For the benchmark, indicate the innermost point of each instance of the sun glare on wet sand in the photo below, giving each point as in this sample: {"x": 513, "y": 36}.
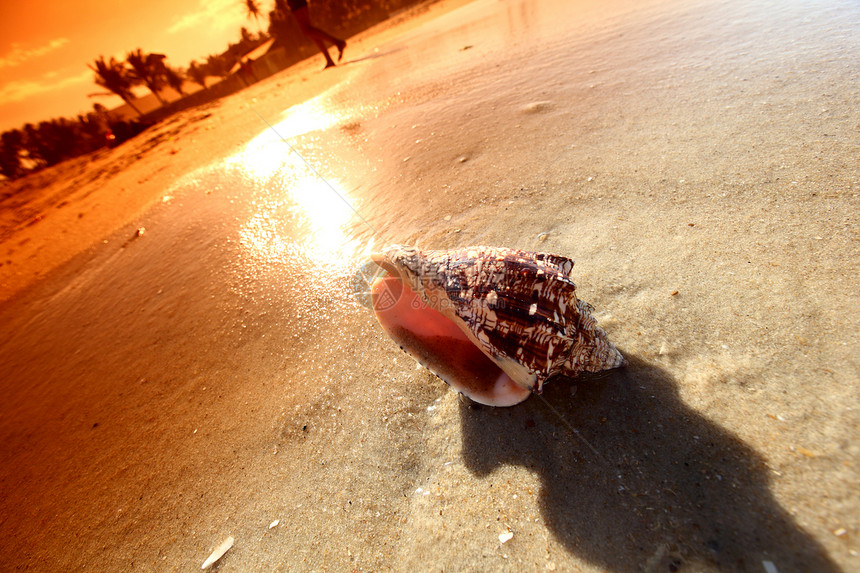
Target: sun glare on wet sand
{"x": 300, "y": 218}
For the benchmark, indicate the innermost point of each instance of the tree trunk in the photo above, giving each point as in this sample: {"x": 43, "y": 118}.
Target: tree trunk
{"x": 134, "y": 107}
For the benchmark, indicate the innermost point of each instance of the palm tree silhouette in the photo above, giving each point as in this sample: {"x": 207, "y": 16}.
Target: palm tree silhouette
{"x": 197, "y": 74}
{"x": 149, "y": 70}
{"x": 217, "y": 66}
{"x": 175, "y": 78}
{"x": 254, "y": 12}
{"x": 114, "y": 76}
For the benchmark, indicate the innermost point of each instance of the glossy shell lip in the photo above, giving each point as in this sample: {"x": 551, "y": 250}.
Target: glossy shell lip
{"x": 385, "y": 263}
{"x": 440, "y": 345}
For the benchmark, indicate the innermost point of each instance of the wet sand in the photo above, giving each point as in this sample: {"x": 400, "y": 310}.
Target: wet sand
{"x": 216, "y": 373}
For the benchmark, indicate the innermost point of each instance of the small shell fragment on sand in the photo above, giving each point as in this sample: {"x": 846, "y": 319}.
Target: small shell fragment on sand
{"x": 506, "y": 536}
{"x": 218, "y": 553}
{"x": 274, "y": 523}
{"x": 807, "y": 453}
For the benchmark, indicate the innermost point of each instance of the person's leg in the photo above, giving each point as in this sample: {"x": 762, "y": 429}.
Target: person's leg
{"x": 319, "y": 37}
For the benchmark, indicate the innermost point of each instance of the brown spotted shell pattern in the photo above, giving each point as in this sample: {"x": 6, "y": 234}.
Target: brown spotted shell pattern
{"x": 519, "y": 308}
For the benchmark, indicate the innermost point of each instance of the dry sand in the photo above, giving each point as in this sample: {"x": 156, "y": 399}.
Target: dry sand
{"x": 216, "y": 373}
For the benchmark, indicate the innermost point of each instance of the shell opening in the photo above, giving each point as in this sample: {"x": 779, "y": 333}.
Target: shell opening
{"x": 439, "y": 345}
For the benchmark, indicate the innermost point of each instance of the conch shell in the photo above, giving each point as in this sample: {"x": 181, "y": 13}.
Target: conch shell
{"x": 494, "y": 323}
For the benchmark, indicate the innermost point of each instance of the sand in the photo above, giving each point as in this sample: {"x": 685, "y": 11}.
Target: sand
{"x": 186, "y": 356}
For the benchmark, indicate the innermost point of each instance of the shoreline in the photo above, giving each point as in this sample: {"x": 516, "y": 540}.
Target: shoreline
{"x": 92, "y": 197}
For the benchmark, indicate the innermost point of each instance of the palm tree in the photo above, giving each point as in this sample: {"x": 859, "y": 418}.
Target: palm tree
{"x": 149, "y": 70}
{"x": 216, "y": 66}
{"x": 11, "y": 145}
{"x": 174, "y": 78}
{"x": 254, "y": 12}
{"x": 197, "y": 74}
{"x": 114, "y": 76}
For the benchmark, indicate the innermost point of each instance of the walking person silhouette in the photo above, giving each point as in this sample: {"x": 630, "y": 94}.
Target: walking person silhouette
{"x": 299, "y": 9}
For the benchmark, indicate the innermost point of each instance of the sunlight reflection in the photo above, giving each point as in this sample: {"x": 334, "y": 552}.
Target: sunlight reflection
{"x": 307, "y": 224}
{"x": 300, "y": 221}
{"x": 268, "y": 152}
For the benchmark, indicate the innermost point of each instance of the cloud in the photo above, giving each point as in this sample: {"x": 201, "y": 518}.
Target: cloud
{"x": 218, "y": 14}
{"x": 19, "y": 90}
{"x": 19, "y": 54}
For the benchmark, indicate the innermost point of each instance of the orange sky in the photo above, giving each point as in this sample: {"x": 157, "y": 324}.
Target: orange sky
{"x": 45, "y": 46}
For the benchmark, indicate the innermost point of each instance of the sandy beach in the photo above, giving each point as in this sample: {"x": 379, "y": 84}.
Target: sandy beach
{"x": 186, "y": 355}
